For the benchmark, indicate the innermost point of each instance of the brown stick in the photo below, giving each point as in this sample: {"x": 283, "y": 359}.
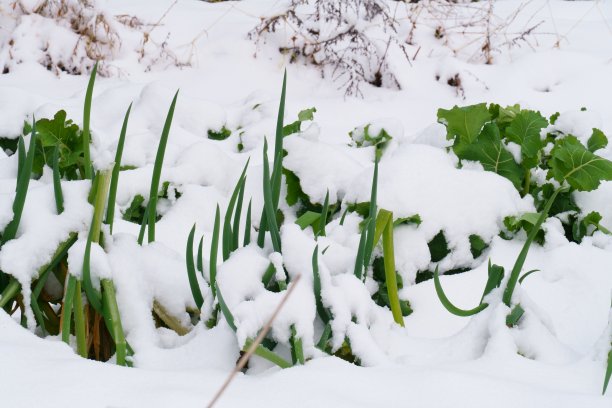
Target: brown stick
{"x": 249, "y": 352}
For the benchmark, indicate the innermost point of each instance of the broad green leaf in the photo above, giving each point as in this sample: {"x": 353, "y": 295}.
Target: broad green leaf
{"x": 477, "y": 245}
{"x": 570, "y": 161}
{"x": 563, "y": 203}
{"x": 490, "y": 151}
{"x": 507, "y": 114}
{"x": 464, "y": 122}
{"x": 524, "y": 130}
{"x": 438, "y": 247}
{"x": 64, "y": 135}
{"x": 597, "y": 140}
{"x": 413, "y": 219}
{"x": 587, "y": 226}
{"x": 526, "y": 222}
{"x": 308, "y": 218}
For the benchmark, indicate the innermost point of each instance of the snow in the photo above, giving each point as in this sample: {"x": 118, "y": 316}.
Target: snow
{"x": 554, "y": 358}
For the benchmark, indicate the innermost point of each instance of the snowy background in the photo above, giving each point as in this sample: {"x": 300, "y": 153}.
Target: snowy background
{"x": 227, "y": 79}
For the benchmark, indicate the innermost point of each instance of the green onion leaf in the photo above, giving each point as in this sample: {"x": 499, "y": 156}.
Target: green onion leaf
{"x": 112, "y": 194}
{"x": 157, "y": 168}
{"x": 191, "y": 271}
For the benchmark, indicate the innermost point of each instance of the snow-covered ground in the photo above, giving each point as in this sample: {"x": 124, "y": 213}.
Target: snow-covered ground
{"x": 438, "y": 359}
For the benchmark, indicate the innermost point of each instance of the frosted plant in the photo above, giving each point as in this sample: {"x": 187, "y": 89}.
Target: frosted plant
{"x": 350, "y": 40}
{"x": 71, "y": 35}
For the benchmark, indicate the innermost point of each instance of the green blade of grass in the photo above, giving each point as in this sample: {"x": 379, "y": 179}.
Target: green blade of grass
{"x": 608, "y": 372}
{"x": 526, "y": 274}
{"x": 343, "y": 216}
{"x": 214, "y": 251}
{"x": 143, "y": 225}
{"x": 112, "y": 192}
{"x": 359, "y": 259}
{"x": 111, "y": 309}
{"x": 236, "y": 227}
{"x": 10, "y": 291}
{"x": 382, "y": 220}
{"x": 390, "y": 274}
{"x": 229, "y": 317}
{"x": 520, "y": 260}
{"x": 21, "y": 155}
{"x": 447, "y": 303}
{"x": 308, "y": 218}
{"x": 269, "y": 202}
{"x": 514, "y": 316}
{"x": 297, "y": 351}
{"x": 316, "y": 283}
{"x": 191, "y": 271}
{"x": 369, "y": 245}
{"x": 60, "y": 254}
{"x": 323, "y": 219}
{"x": 34, "y": 302}
{"x": 247, "y": 226}
{"x": 57, "y": 183}
{"x": 495, "y": 276}
{"x": 93, "y": 296}
{"x": 271, "y": 356}
{"x": 277, "y": 167}
{"x": 79, "y": 321}
{"x": 268, "y": 274}
{"x": 102, "y": 182}
{"x": 157, "y": 168}
{"x": 70, "y": 288}
{"x": 86, "y": 117}
{"x": 10, "y": 231}
{"x": 200, "y": 258}
{"x": 324, "y": 339}
{"x": 227, "y": 222}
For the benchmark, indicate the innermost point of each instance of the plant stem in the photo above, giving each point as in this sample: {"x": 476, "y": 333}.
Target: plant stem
{"x": 527, "y": 182}
{"x": 67, "y": 308}
{"x": 171, "y": 321}
{"x": 100, "y": 203}
{"x": 520, "y": 260}
{"x": 111, "y": 309}
{"x": 390, "y": 274}
{"x": 79, "y": 321}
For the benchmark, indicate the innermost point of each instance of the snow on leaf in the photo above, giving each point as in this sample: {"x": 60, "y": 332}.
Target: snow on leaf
{"x": 524, "y": 130}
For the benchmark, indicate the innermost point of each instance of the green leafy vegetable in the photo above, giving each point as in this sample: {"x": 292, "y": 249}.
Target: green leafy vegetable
{"x": 572, "y": 162}
{"x": 491, "y": 152}
{"x": 465, "y": 123}
{"x": 597, "y": 141}
{"x": 438, "y": 247}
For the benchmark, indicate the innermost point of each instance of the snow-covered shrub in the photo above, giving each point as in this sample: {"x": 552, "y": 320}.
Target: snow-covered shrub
{"x": 473, "y": 31}
{"x": 71, "y": 35}
{"x": 350, "y": 40}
